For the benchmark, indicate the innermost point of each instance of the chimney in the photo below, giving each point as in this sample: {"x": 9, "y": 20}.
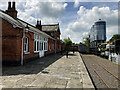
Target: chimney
{"x": 13, "y": 5}
{"x": 38, "y": 25}
{"x": 9, "y": 5}
{"x": 11, "y": 10}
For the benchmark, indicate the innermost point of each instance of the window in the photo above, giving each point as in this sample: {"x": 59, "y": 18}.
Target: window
{"x": 35, "y": 46}
{"x": 26, "y": 44}
{"x": 37, "y": 36}
{"x": 44, "y": 46}
{"x": 36, "y": 42}
{"x": 40, "y": 43}
{"x": 49, "y": 47}
{"x": 53, "y": 45}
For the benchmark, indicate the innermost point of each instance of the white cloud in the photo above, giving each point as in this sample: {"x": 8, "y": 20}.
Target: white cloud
{"x": 76, "y": 4}
{"x": 3, "y": 5}
{"x": 111, "y": 30}
{"x": 79, "y": 28}
{"x": 31, "y": 10}
{"x": 48, "y": 12}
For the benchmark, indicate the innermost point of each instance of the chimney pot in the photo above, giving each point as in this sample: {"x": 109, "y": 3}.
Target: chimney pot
{"x": 9, "y": 5}
{"x": 40, "y": 22}
{"x": 38, "y": 25}
{"x": 13, "y": 5}
{"x": 11, "y": 10}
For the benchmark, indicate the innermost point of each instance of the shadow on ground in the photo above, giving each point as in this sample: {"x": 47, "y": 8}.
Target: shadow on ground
{"x": 71, "y": 55}
{"x": 32, "y": 67}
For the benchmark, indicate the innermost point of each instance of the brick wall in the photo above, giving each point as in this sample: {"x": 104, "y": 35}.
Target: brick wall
{"x": 10, "y": 36}
{"x": 50, "y": 42}
{"x": 12, "y": 42}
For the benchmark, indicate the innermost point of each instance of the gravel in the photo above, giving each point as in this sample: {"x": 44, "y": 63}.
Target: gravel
{"x": 96, "y": 62}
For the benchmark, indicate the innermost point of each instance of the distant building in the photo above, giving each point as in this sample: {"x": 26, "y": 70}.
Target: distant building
{"x": 82, "y": 48}
{"x": 97, "y": 34}
{"x": 53, "y": 31}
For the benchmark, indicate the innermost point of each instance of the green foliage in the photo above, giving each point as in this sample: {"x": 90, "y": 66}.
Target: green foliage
{"x": 87, "y": 41}
{"x": 67, "y": 42}
{"x": 114, "y": 37}
{"x": 73, "y": 44}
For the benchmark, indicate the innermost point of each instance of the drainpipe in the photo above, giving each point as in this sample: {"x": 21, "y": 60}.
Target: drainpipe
{"x": 55, "y": 45}
{"x": 22, "y": 47}
{"x": 25, "y": 29}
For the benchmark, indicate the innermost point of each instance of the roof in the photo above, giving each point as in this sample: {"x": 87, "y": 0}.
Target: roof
{"x": 21, "y": 24}
{"x": 10, "y": 19}
{"x": 100, "y": 21}
{"x": 54, "y": 27}
{"x": 33, "y": 28}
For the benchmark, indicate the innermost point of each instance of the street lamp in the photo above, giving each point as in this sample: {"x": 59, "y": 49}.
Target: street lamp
{"x": 25, "y": 30}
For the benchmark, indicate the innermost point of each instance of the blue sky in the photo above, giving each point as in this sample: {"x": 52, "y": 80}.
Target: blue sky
{"x": 70, "y": 13}
{"x": 75, "y": 18}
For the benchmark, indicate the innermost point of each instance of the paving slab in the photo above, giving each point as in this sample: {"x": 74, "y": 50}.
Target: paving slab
{"x": 56, "y": 72}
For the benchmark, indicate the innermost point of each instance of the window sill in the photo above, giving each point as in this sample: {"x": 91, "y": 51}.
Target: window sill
{"x": 39, "y": 51}
{"x": 36, "y": 51}
{"x": 26, "y": 52}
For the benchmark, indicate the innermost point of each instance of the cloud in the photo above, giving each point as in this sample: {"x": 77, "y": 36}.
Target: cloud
{"x": 48, "y": 12}
{"x": 31, "y": 10}
{"x": 53, "y": 10}
{"x": 86, "y": 18}
{"x": 3, "y": 5}
{"x": 76, "y": 4}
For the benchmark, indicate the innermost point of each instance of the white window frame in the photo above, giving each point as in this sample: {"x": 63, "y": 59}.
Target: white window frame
{"x": 42, "y": 43}
{"x": 26, "y": 44}
{"x": 36, "y": 40}
{"x": 45, "y": 44}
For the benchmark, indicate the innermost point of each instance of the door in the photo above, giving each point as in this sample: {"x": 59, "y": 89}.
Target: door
{"x": 41, "y": 53}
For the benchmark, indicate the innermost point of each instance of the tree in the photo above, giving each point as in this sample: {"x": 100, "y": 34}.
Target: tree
{"x": 87, "y": 42}
{"x": 115, "y": 37}
{"x": 67, "y": 42}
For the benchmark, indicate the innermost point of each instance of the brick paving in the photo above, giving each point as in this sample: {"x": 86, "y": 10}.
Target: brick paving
{"x": 53, "y": 71}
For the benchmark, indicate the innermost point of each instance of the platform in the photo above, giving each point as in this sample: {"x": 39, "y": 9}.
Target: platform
{"x": 53, "y": 71}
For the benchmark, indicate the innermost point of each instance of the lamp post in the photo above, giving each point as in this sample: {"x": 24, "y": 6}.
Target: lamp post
{"x": 25, "y": 30}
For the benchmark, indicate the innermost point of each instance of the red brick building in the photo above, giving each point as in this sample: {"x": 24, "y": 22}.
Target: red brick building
{"x": 53, "y": 31}
{"x": 22, "y": 41}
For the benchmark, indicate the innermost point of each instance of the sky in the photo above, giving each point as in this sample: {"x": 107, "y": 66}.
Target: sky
{"x": 75, "y": 17}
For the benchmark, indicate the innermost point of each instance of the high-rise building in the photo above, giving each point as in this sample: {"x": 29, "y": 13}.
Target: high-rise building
{"x": 97, "y": 34}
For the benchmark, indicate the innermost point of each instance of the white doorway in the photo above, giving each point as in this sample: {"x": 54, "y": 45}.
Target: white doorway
{"x": 41, "y": 53}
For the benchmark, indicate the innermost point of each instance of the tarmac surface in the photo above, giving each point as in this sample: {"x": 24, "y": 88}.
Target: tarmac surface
{"x": 53, "y": 71}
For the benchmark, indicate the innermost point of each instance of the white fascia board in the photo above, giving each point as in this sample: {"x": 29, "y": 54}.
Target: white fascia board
{"x": 40, "y": 32}
{"x": 10, "y": 21}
